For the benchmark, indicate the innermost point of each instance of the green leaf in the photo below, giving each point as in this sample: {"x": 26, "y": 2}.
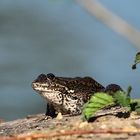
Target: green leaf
{"x": 122, "y": 98}
{"x": 98, "y": 101}
{"x": 101, "y": 101}
{"x": 129, "y": 89}
{"x": 137, "y": 60}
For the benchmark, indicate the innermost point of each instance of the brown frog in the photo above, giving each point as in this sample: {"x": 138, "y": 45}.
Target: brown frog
{"x": 67, "y": 95}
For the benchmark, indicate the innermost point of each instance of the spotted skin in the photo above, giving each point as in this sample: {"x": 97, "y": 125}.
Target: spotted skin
{"x": 65, "y": 95}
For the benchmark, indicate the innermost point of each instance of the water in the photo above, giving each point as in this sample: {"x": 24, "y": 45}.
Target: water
{"x": 59, "y": 37}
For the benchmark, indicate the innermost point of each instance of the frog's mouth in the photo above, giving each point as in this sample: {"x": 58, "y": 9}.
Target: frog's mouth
{"x": 41, "y": 87}
{"x": 42, "y": 84}
{"x": 52, "y": 95}
{"x": 47, "y": 84}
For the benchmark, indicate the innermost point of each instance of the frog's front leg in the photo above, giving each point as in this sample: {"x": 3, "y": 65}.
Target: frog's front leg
{"x": 50, "y": 111}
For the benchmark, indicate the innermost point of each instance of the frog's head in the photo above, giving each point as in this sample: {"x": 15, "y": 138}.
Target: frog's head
{"x": 49, "y": 86}
{"x": 48, "y": 83}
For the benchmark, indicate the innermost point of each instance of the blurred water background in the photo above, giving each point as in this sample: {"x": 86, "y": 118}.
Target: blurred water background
{"x": 42, "y": 36}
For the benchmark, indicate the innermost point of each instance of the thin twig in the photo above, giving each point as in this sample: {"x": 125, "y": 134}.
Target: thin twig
{"x": 111, "y": 20}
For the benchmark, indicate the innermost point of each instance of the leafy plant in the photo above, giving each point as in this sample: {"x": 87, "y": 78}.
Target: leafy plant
{"x": 123, "y": 99}
{"x": 98, "y": 101}
{"x": 102, "y": 100}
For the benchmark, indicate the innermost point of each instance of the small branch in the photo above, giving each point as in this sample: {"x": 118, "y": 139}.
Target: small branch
{"x": 111, "y": 20}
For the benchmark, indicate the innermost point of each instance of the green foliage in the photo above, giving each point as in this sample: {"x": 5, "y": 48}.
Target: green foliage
{"x": 137, "y": 60}
{"x": 135, "y": 103}
{"x": 98, "y": 101}
{"x": 129, "y": 89}
{"x": 101, "y": 100}
{"x": 123, "y": 99}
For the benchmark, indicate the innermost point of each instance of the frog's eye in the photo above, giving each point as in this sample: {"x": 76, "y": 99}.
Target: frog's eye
{"x": 50, "y": 76}
{"x": 41, "y": 78}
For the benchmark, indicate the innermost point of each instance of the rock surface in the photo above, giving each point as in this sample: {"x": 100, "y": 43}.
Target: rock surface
{"x": 66, "y": 128}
